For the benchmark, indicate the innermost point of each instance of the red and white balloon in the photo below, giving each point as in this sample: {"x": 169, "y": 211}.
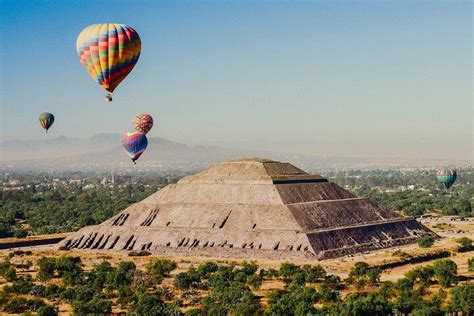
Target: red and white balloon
{"x": 142, "y": 123}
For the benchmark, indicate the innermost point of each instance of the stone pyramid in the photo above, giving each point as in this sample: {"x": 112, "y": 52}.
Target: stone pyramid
{"x": 251, "y": 208}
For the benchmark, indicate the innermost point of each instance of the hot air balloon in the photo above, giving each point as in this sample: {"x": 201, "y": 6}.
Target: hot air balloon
{"x": 447, "y": 176}
{"x": 142, "y": 123}
{"x": 46, "y": 120}
{"x": 109, "y": 52}
{"x": 134, "y": 144}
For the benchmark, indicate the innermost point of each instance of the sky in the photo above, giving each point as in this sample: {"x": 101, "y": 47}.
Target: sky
{"x": 371, "y": 78}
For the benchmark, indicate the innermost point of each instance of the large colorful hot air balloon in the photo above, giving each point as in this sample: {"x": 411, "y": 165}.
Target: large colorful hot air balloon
{"x": 134, "y": 144}
{"x": 447, "y": 176}
{"x": 46, "y": 120}
{"x": 142, "y": 123}
{"x": 108, "y": 52}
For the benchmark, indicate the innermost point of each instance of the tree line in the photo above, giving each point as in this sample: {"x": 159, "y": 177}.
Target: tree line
{"x": 221, "y": 289}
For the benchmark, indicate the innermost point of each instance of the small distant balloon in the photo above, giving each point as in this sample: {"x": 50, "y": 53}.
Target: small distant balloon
{"x": 447, "y": 176}
{"x": 142, "y": 123}
{"x": 134, "y": 144}
{"x": 109, "y": 52}
{"x": 46, "y": 120}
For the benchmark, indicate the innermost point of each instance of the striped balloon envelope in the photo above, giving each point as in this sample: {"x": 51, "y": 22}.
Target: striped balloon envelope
{"x": 142, "y": 123}
{"x": 134, "y": 144}
{"x": 447, "y": 176}
{"x": 108, "y": 52}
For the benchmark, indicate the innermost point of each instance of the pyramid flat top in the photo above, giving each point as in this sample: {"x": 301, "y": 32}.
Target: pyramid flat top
{"x": 251, "y": 171}
{"x": 250, "y": 159}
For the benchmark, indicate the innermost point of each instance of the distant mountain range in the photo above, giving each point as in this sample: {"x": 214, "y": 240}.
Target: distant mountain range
{"x": 105, "y": 151}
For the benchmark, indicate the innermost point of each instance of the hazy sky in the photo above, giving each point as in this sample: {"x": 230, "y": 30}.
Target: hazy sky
{"x": 354, "y": 78}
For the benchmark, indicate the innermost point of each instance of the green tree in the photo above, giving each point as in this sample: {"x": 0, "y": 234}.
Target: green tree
{"x": 249, "y": 268}
{"x": 96, "y": 306}
{"x": 470, "y": 264}
{"x": 69, "y": 269}
{"x": 121, "y": 277}
{"x": 299, "y": 301}
{"x": 462, "y": 299}
{"x": 206, "y": 269}
{"x": 10, "y": 274}
{"x": 46, "y": 268}
{"x": 149, "y": 304}
{"x": 421, "y": 275}
{"x": 363, "y": 303}
{"x": 445, "y": 271}
{"x": 314, "y": 273}
{"x": 161, "y": 269}
{"x": 362, "y": 273}
{"x": 98, "y": 275}
{"x": 188, "y": 279}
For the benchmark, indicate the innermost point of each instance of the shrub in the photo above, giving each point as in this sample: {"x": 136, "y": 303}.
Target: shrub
{"x": 426, "y": 241}
{"x": 465, "y": 242}
{"x": 401, "y": 254}
{"x": 20, "y": 233}
{"x": 141, "y": 253}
